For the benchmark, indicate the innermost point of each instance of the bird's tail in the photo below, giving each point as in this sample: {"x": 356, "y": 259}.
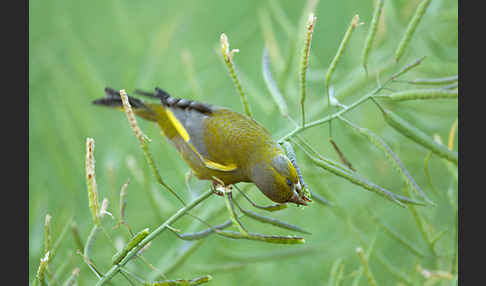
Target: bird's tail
{"x": 147, "y": 111}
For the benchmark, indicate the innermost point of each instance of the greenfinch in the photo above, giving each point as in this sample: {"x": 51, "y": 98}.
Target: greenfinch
{"x": 219, "y": 144}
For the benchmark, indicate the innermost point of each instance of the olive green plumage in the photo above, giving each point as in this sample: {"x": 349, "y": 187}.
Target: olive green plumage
{"x": 219, "y": 144}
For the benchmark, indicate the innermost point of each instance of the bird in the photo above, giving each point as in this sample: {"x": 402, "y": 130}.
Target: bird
{"x": 218, "y": 144}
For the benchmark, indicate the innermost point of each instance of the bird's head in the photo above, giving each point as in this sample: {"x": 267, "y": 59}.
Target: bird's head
{"x": 277, "y": 178}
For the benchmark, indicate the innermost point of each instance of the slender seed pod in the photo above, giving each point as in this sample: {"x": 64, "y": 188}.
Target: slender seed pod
{"x": 270, "y": 208}
{"x": 367, "y": 270}
{"x": 272, "y": 86}
{"x": 407, "y": 68}
{"x": 451, "y": 86}
{"x": 47, "y": 233}
{"x": 123, "y": 201}
{"x": 91, "y": 181}
{"x": 270, "y": 220}
{"x": 90, "y": 242}
{"x": 278, "y": 239}
{"x": 77, "y": 237}
{"x": 418, "y": 94}
{"x": 360, "y": 181}
{"x": 435, "y": 81}
{"x": 410, "y": 131}
{"x": 305, "y": 62}
{"x": 40, "y": 275}
{"x": 129, "y": 246}
{"x": 320, "y": 199}
{"x": 340, "y": 51}
{"x": 181, "y": 282}
{"x": 370, "y": 37}
{"x": 204, "y": 233}
{"x": 412, "y": 26}
{"x": 391, "y": 156}
{"x": 131, "y": 118}
{"x": 228, "y": 59}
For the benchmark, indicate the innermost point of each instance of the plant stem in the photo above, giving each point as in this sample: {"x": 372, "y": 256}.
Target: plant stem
{"x": 107, "y": 277}
{"x": 354, "y": 104}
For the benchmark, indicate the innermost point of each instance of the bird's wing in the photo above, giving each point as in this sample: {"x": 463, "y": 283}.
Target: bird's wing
{"x": 189, "y": 125}
{"x": 187, "y": 118}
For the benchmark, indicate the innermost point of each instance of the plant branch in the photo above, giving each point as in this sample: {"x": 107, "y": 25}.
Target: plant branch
{"x": 114, "y": 269}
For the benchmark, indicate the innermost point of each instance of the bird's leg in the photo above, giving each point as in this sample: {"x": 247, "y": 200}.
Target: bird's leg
{"x": 219, "y": 188}
{"x": 216, "y": 189}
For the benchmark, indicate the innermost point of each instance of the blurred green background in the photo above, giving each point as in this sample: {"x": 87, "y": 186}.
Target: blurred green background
{"x": 77, "y": 48}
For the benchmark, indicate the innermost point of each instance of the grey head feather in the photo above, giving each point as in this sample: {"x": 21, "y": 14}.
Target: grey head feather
{"x": 262, "y": 177}
{"x": 281, "y": 165}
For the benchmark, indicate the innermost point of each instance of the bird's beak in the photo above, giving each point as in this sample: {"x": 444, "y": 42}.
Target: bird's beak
{"x": 297, "y": 199}
{"x": 297, "y": 196}
{"x": 298, "y": 187}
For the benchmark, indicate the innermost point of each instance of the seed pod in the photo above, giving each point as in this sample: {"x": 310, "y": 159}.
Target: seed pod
{"x": 271, "y": 220}
{"x": 129, "y": 246}
{"x": 420, "y": 94}
{"x": 272, "y": 86}
{"x": 412, "y": 26}
{"x": 340, "y": 51}
{"x": 279, "y": 239}
{"x": 407, "y": 68}
{"x": 91, "y": 181}
{"x": 305, "y": 62}
{"x": 435, "y": 81}
{"x": 372, "y": 32}
{"x": 391, "y": 156}
{"x": 181, "y": 282}
{"x": 410, "y": 131}
{"x": 204, "y": 233}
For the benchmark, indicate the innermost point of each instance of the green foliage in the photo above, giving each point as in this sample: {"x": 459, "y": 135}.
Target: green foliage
{"x": 78, "y": 48}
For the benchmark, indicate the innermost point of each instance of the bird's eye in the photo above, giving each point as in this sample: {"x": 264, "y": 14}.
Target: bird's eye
{"x": 289, "y": 182}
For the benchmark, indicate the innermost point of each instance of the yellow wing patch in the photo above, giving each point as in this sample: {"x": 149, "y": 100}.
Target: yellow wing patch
{"x": 177, "y": 125}
{"x": 183, "y": 133}
{"x": 220, "y": 167}
{"x": 213, "y": 165}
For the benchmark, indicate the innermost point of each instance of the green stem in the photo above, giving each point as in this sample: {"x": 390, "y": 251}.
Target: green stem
{"x": 327, "y": 118}
{"x": 231, "y": 208}
{"x": 114, "y": 269}
{"x": 354, "y": 104}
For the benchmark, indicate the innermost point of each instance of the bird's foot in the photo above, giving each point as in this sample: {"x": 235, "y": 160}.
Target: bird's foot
{"x": 219, "y": 188}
